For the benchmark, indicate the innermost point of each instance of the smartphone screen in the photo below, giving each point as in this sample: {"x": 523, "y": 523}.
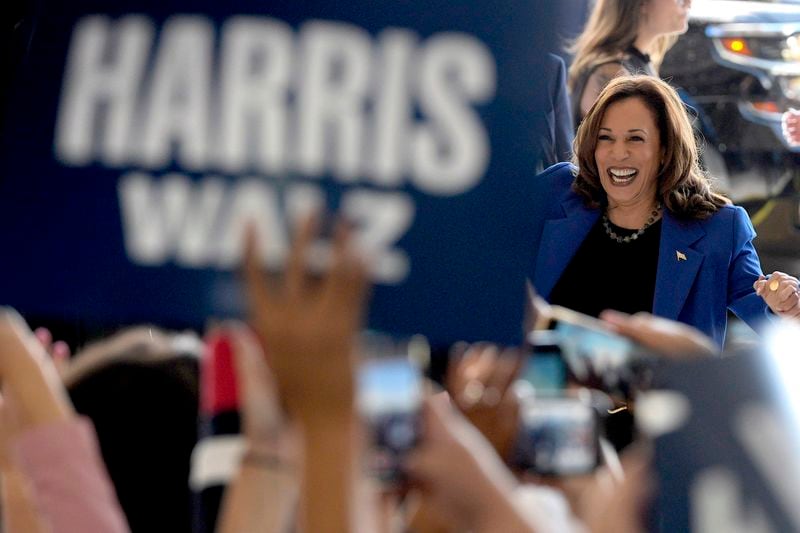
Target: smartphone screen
{"x": 390, "y": 397}
{"x": 558, "y": 437}
{"x": 544, "y": 367}
{"x": 596, "y": 356}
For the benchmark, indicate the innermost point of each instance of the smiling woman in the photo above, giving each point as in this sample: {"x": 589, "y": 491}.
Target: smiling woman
{"x": 628, "y": 156}
{"x": 635, "y": 225}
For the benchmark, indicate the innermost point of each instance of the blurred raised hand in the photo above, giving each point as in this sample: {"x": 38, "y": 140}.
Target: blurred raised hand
{"x": 266, "y": 427}
{"x": 620, "y": 505}
{"x": 307, "y": 325}
{"x": 664, "y": 336}
{"x": 32, "y": 391}
{"x": 461, "y": 477}
{"x": 32, "y": 396}
{"x": 57, "y": 349}
{"x": 479, "y": 380}
{"x": 262, "y": 497}
{"x": 54, "y": 478}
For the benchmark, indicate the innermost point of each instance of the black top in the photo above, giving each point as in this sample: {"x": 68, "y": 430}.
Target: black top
{"x": 638, "y": 62}
{"x": 605, "y": 274}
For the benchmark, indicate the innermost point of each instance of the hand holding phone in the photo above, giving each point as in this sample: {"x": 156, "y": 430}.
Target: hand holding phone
{"x": 389, "y": 400}
{"x": 558, "y": 436}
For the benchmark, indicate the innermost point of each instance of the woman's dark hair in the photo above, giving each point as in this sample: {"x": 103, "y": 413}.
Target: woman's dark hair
{"x": 141, "y": 392}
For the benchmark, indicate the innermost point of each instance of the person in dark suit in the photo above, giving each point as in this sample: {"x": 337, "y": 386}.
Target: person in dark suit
{"x": 557, "y": 136}
{"x": 634, "y": 224}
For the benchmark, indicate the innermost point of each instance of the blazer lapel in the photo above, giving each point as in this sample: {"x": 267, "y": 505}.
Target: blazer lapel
{"x": 561, "y": 239}
{"x": 678, "y": 265}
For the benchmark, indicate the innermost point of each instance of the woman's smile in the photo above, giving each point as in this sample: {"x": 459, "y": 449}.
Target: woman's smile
{"x": 621, "y": 177}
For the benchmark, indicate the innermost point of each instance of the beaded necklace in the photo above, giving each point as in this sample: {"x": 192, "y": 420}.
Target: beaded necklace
{"x": 635, "y": 235}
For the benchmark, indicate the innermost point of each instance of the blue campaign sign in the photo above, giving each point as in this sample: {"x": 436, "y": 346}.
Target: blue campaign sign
{"x": 144, "y": 136}
{"x": 733, "y": 465}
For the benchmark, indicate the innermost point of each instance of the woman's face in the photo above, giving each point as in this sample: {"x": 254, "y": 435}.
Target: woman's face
{"x": 664, "y": 17}
{"x": 628, "y": 154}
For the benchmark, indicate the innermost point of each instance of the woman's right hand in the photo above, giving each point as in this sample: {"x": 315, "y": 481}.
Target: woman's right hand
{"x": 781, "y": 292}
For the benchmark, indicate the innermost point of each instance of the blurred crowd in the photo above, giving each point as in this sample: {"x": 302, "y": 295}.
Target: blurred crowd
{"x": 295, "y": 420}
{"x": 107, "y": 440}
{"x": 104, "y": 441}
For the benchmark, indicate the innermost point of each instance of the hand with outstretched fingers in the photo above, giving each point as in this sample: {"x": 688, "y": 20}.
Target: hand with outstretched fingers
{"x": 308, "y": 324}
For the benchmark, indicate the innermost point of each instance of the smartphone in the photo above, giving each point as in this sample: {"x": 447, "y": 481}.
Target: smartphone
{"x": 544, "y": 368}
{"x": 389, "y": 400}
{"x": 595, "y": 356}
{"x": 559, "y": 436}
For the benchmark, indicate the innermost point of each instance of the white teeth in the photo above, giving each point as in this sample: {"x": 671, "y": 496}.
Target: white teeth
{"x": 622, "y": 176}
{"x": 622, "y": 172}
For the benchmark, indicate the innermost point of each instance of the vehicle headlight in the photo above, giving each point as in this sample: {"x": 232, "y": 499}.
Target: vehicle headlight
{"x": 737, "y": 45}
{"x": 770, "y": 48}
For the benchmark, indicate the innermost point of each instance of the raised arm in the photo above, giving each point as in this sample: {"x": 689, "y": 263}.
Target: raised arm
{"x": 53, "y": 449}
{"x": 308, "y": 328}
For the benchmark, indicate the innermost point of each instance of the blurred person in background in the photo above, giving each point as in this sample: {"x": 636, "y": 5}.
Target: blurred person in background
{"x": 554, "y": 141}
{"x": 622, "y": 37}
{"x": 139, "y": 387}
{"x": 637, "y": 227}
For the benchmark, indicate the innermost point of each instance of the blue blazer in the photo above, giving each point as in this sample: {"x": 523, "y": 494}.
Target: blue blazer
{"x": 705, "y": 267}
